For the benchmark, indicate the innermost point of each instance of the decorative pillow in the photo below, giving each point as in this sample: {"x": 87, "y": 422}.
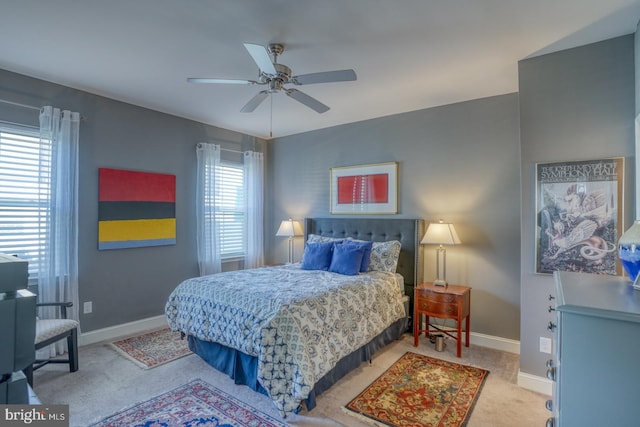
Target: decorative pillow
{"x": 384, "y": 256}
{"x": 366, "y": 258}
{"x": 313, "y": 238}
{"x": 317, "y": 256}
{"x": 346, "y": 259}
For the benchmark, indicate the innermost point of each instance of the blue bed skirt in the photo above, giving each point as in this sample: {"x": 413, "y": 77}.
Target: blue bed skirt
{"x": 243, "y": 368}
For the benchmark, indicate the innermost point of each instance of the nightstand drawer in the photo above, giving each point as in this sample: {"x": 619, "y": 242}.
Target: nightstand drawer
{"x": 438, "y": 297}
{"x": 438, "y": 308}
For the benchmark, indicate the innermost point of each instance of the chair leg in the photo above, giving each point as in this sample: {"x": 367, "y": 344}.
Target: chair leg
{"x": 72, "y": 348}
{"x": 28, "y": 372}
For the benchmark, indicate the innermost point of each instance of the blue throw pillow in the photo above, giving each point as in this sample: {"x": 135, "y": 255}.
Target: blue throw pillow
{"x": 366, "y": 258}
{"x": 317, "y": 256}
{"x": 346, "y": 259}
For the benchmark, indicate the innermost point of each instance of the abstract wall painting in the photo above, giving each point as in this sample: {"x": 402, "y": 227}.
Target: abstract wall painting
{"x": 365, "y": 189}
{"x": 136, "y": 209}
{"x": 579, "y": 216}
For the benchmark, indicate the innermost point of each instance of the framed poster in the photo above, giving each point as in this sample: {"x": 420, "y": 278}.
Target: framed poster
{"x": 579, "y": 215}
{"x": 365, "y": 189}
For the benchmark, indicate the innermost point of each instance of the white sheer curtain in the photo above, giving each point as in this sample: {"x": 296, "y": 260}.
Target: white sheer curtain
{"x": 58, "y": 195}
{"x": 207, "y": 227}
{"x": 253, "y": 193}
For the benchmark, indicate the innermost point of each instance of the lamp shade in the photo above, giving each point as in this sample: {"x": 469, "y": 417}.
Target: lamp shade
{"x": 440, "y": 234}
{"x": 289, "y": 228}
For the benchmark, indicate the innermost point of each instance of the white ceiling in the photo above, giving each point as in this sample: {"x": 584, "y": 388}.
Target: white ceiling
{"x": 408, "y": 54}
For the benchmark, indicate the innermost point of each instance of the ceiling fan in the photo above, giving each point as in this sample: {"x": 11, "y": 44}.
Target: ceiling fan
{"x": 275, "y": 76}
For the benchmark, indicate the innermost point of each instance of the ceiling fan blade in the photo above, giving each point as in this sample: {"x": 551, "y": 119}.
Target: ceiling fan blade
{"x": 255, "y": 101}
{"x": 261, "y": 58}
{"x": 305, "y": 99}
{"x": 324, "y": 77}
{"x": 225, "y": 81}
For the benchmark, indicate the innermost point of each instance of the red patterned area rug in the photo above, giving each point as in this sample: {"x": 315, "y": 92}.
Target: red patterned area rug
{"x": 194, "y": 404}
{"x": 153, "y": 348}
{"x": 419, "y": 390}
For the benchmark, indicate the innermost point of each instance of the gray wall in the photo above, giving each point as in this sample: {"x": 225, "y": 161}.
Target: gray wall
{"x": 576, "y": 104}
{"x": 127, "y": 284}
{"x": 458, "y": 162}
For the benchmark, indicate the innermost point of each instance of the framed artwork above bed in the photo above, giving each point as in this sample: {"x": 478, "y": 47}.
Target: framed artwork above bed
{"x": 365, "y": 189}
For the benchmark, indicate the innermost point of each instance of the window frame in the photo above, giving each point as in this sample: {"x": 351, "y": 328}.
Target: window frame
{"x": 22, "y": 167}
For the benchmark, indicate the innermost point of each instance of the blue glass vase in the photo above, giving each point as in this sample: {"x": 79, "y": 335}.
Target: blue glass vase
{"x": 629, "y": 251}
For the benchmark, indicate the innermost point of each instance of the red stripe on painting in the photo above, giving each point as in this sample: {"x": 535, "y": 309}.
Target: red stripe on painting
{"x": 117, "y": 185}
{"x": 363, "y": 189}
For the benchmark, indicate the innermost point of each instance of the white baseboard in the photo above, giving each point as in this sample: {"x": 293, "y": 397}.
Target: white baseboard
{"x": 535, "y": 383}
{"x": 131, "y": 328}
{"x": 113, "y": 332}
{"x": 490, "y": 341}
{"x": 496, "y": 343}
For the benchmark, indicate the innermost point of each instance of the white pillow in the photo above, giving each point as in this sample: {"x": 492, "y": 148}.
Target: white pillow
{"x": 384, "y": 256}
{"x": 313, "y": 238}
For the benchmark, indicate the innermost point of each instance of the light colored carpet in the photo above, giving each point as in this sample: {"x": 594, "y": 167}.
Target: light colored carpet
{"x": 106, "y": 382}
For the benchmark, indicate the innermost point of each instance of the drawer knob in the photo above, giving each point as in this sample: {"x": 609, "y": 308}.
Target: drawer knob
{"x": 549, "y": 405}
{"x": 450, "y": 310}
{"x": 551, "y": 374}
{"x": 551, "y": 326}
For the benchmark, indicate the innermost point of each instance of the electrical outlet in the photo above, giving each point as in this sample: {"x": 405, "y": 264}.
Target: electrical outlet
{"x": 88, "y": 307}
{"x": 545, "y": 345}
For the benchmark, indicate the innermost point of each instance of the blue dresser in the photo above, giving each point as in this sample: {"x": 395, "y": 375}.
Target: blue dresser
{"x": 596, "y": 352}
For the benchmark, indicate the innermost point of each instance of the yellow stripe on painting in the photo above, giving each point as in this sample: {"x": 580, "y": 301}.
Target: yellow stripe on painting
{"x": 137, "y": 229}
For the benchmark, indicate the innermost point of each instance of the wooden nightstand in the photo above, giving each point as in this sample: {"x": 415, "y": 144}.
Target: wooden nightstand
{"x": 450, "y": 302}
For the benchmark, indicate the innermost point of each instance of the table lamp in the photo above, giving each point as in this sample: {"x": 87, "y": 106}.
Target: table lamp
{"x": 441, "y": 234}
{"x": 289, "y": 228}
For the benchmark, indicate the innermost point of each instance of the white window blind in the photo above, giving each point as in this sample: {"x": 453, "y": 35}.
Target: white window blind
{"x": 229, "y": 202}
{"x": 23, "y": 196}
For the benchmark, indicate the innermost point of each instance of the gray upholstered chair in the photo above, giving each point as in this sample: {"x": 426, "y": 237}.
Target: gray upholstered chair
{"x": 49, "y": 331}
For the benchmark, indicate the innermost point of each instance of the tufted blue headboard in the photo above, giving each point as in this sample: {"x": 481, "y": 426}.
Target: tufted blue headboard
{"x": 408, "y": 231}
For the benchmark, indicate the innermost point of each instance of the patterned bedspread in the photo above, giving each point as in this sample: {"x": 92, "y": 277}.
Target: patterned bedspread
{"x": 298, "y": 323}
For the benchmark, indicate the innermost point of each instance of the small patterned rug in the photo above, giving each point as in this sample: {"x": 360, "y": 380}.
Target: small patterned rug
{"x": 194, "y": 404}
{"x": 419, "y": 390}
{"x": 153, "y": 348}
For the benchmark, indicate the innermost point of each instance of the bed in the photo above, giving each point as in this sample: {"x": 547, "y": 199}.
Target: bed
{"x": 291, "y": 333}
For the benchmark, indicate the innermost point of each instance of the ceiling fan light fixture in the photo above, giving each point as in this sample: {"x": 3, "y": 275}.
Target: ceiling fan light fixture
{"x": 275, "y": 85}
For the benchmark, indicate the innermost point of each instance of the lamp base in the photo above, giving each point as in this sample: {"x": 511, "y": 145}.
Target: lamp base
{"x": 440, "y": 282}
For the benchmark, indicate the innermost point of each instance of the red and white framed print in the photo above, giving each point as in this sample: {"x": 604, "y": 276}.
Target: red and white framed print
{"x": 365, "y": 189}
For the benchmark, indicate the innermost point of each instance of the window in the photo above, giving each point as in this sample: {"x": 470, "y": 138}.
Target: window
{"x": 23, "y": 193}
{"x": 229, "y": 202}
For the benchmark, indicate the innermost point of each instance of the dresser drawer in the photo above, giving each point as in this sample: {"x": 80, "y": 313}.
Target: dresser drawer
{"x": 437, "y": 297}
{"x": 438, "y": 308}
